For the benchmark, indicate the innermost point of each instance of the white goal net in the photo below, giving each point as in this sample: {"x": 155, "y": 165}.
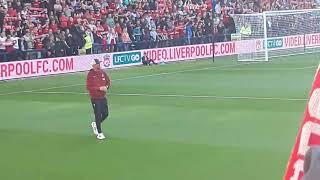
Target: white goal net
{"x": 279, "y": 33}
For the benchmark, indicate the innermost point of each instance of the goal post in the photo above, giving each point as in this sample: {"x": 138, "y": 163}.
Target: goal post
{"x": 278, "y": 33}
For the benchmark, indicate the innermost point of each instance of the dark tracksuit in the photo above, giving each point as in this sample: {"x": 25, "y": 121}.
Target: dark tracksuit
{"x": 95, "y": 80}
{"x": 147, "y": 61}
{"x": 2, "y": 15}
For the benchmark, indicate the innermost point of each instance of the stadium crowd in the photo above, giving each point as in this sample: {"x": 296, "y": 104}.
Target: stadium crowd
{"x": 32, "y": 29}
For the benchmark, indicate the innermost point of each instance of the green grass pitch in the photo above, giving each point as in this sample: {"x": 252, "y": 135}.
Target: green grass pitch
{"x": 226, "y": 121}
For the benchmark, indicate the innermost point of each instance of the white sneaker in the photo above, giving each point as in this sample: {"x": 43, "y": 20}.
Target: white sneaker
{"x": 94, "y": 128}
{"x": 101, "y": 136}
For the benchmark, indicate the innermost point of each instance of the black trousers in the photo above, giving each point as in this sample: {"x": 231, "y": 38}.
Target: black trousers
{"x": 101, "y": 111}
{"x": 1, "y": 27}
{"x": 89, "y": 51}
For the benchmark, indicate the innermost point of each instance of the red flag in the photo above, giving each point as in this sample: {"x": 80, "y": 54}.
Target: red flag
{"x": 309, "y": 133}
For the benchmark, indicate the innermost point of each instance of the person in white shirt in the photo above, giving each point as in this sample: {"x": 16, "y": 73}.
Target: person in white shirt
{"x": 2, "y": 40}
{"x": 15, "y": 40}
{"x": 111, "y": 39}
{"x": 92, "y": 25}
{"x": 4, "y": 3}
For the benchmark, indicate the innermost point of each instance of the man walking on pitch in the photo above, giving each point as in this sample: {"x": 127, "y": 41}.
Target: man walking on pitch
{"x": 98, "y": 83}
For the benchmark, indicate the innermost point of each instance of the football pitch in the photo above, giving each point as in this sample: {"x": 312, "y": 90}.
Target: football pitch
{"x": 183, "y": 121}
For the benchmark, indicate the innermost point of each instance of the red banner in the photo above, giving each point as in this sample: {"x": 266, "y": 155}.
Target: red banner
{"x": 309, "y": 133}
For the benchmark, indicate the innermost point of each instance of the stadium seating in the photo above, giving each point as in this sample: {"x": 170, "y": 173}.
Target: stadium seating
{"x": 33, "y": 29}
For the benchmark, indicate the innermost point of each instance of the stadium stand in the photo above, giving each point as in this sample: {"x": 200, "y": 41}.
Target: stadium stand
{"x": 33, "y": 29}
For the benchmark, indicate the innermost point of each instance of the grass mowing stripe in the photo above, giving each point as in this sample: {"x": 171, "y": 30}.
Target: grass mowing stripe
{"x": 180, "y": 96}
{"x": 128, "y": 78}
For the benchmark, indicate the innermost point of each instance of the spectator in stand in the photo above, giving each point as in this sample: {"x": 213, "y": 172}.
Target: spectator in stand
{"x": 22, "y": 44}
{"x": 9, "y": 43}
{"x": 70, "y": 43}
{"x": 100, "y": 29}
{"x": 126, "y": 39}
{"x": 61, "y": 47}
{"x": 169, "y": 23}
{"x": 29, "y": 38}
{"x": 49, "y": 44}
{"x": 92, "y": 25}
{"x": 118, "y": 29}
{"x": 199, "y": 34}
{"x": 2, "y": 40}
{"x": 119, "y": 43}
{"x": 38, "y": 46}
{"x": 97, "y": 38}
{"x": 208, "y": 27}
{"x": 146, "y": 36}
{"x": 11, "y": 11}
{"x": 137, "y": 32}
{"x": 2, "y": 15}
{"x": 15, "y": 39}
{"x": 110, "y": 21}
{"x": 88, "y": 42}
{"x": 58, "y": 8}
{"x": 53, "y": 26}
{"x": 63, "y": 21}
{"x": 154, "y": 38}
{"x": 67, "y": 11}
{"x": 71, "y": 22}
{"x": 9, "y": 26}
{"x": 221, "y": 32}
{"x": 189, "y": 32}
{"x": 104, "y": 43}
{"x": 111, "y": 40}
{"x": 16, "y": 5}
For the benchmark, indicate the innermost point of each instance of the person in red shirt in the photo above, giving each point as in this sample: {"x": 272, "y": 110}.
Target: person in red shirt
{"x": 98, "y": 82}
{"x": 53, "y": 26}
{"x": 104, "y": 42}
{"x": 36, "y": 32}
{"x": 8, "y": 44}
{"x": 97, "y": 15}
{"x": 225, "y": 18}
{"x": 38, "y": 44}
{"x": 75, "y": 18}
{"x": 112, "y": 6}
{"x": 45, "y": 28}
{"x": 12, "y": 12}
{"x": 118, "y": 29}
{"x": 39, "y": 29}
{"x": 103, "y": 11}
{"x": 105, "y": 27}
{"x": 63, "y": 21}
{"x": 36, "y": 3}
{"x": 100, "y": 29}
{"x": 9, "y": 26}
{"x": 176, "y": 33}
{"x": 70, "y": 22}
{"x": 87, "y": 15}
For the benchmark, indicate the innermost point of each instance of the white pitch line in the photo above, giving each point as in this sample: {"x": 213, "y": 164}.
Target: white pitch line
{"x": 182, "y": 96}
{"x": 128, "y": 78}
{"x": 150, "y": 75}
{"x": 269, "y": 69}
